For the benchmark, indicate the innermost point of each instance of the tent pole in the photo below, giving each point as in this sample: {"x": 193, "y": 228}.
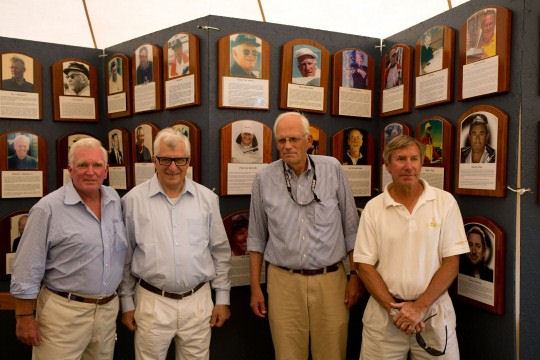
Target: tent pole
{"x": 262, "y": 11}
{"x": 89, "y": 24}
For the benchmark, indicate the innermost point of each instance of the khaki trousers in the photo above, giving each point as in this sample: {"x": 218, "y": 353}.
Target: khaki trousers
{"x": 74, "y": 330}
{"x": 160, "y": 319}
{"x": 307, "y": 309}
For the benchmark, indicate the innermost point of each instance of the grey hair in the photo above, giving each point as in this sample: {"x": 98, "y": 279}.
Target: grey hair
{"x": 400, "y": 142}
{"x": 21, "y": 137}
{"x": 19, "y": 60}
{"x": 305, "y": 121}
{"x": 171, "y": 137}
{"x": 87, "y": 143}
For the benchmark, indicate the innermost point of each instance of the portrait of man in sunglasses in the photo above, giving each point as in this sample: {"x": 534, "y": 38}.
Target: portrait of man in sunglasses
{"x": 245, "y": 56}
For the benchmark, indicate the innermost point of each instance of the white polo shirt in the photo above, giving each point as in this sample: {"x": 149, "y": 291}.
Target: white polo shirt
{"x": 407, "y": 248}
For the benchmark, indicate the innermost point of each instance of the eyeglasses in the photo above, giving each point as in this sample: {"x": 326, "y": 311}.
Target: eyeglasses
{"x": 431, "y": 351}
{"x": 253, "y": 52}
{"x": 292, "y": 140}
{"x": 313, "y": 184}
{"x": 73, "y": 76}
{"x": 166, "y": 161}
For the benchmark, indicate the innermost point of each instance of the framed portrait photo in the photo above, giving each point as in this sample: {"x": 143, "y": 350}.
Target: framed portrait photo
{"x": 181, "y": 71}
{"x": 484, "y": 53}
{"x": 21, "y": 80}
{"x": 119, "y": 158}
{"x": 192, "y": 131}
{"x": 11, "y": 230}
{"x": 435, "y": 67}
{"x": 390, "y": 131}
{"x": 245, "y": 146}
{"x": 318, "y": 145}
{"x": 354, "y": 148}
{"x": 23, "y": 161}
{"x": 146, "y": 73}
{"x": 437, "y": 135}
{"x": 304, "y": 76}
{"x": 396, "y": 74}
{"x": 243, "y": 72}
{"x": 480, "y": 280}
{"x": 481, "y": 152}
{"x": 118, "y": 86}
{"x": 75, "y": 90}
{"x": 353, "y": 83}
{"x": 143, "y": 151}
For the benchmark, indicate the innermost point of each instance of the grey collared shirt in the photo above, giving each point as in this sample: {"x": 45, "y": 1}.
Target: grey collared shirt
{"x": 302, "y": 237}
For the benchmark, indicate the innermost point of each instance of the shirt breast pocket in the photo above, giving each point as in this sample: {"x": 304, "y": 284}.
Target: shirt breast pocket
{"x": 198, "y": 231}
{"x": 326, "y": 212}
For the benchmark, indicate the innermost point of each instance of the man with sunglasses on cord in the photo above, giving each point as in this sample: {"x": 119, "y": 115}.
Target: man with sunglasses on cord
{"x": 407, "y": 249}
{"x": 177, "y": 248}
{"x": 303, "y": 223}
{"x": 71, "y": 258}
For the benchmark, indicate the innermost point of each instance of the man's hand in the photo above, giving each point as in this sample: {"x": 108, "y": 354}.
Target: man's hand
{"x": 220, "y": 314}
{"x": 354, "y": 291}
{"x": 409, "y": 317}
{"x": 257, "y": 302}
{"x": 128, "y": 319}
{"x": 27, "y": 330}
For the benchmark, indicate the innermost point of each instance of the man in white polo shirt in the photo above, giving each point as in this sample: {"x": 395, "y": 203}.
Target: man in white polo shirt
{"x": 408, "y": 246}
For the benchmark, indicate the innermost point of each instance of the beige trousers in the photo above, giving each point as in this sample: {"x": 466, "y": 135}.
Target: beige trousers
{"x": 307, "y": 309}
{"x": 74, "y": 330}
{"x": 160, "y": 319}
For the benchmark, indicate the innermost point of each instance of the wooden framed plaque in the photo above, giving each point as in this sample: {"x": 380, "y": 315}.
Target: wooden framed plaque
{"x": 11, "y": 230}
{"x": 23, "y": 161}
{"x": 143, "y": 151}
{"x": 119, "y": 149}
{"x": 63, "y": 145}
{"x": 181, "y": 71}
{"x": 243, "y": 72}
{"x": 245, "y": 146}
{"x": 484, "y": 53}
{"x": 390, "y": 131}
{"x": 481, "y": 152}
{"x": 304, "y": 76}
{"x": 193, "y": 132}
{"x": 354, "y": 148}
{"x": 118, "y": 87}
{"x": 75, "y": 91}
{"x": 353, "y": 83}
{"x": 21, "y": 89}
{"x": 396, "y": 81}
{"x": 146, "y": 74}
{"x": 437, "y": 135}
{"x": 435, "y": 67}
{"x": 318, "y": 146}
{"x": 480, "y": 280}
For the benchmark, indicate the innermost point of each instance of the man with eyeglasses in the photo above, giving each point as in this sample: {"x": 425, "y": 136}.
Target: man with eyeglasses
{"x": 177, "y": 247}
{"x": 77, "y": 80}
{"x": 245, "y": 53}
{"x": 303, "y": 222}
{"x": 407, "y": 249}
{"x": 71, "y": 257}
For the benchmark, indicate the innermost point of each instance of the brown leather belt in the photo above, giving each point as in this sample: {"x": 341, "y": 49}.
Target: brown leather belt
{"x": 309, "y": 272}
{"x": 71, "y": 296}
{"x": 175, "y": 296}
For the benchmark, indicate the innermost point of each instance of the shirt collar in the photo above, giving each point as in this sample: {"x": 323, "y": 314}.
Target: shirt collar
{"x": 291, "y": 171}
{"x": 427, "y": 195}
{"x": 72, "y": 197}
{"x": 155, "y": 187}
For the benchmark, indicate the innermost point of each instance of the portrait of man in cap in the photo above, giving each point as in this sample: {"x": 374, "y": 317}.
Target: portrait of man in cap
{"x": 178, "y": 61}
{"x": 76, "y": 81}
{"x": 393, "y": 74}
{"x": 245, "y": 56}
{"x": 478, "y": 146}
{"x": 306, "y": 65}
{"x": 247, "y": 142}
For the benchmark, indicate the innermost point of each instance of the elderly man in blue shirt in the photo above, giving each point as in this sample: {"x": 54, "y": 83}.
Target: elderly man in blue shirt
{"x": 177, "y": 248}
{"x": 71, "y": 257}
{"x": 303, "y": 221}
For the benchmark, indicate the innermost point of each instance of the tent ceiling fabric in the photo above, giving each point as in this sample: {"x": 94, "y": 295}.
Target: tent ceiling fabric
{"x": 116, "y": 21}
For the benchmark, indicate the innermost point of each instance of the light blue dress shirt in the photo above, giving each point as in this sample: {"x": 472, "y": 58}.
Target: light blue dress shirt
{"x": 65, "y": 246}
{"x": 174, "y": 244}
{"x": 302, "y": 237}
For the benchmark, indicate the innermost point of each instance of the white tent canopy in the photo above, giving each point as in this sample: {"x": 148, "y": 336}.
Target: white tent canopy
{"x": 115, "y": 21}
